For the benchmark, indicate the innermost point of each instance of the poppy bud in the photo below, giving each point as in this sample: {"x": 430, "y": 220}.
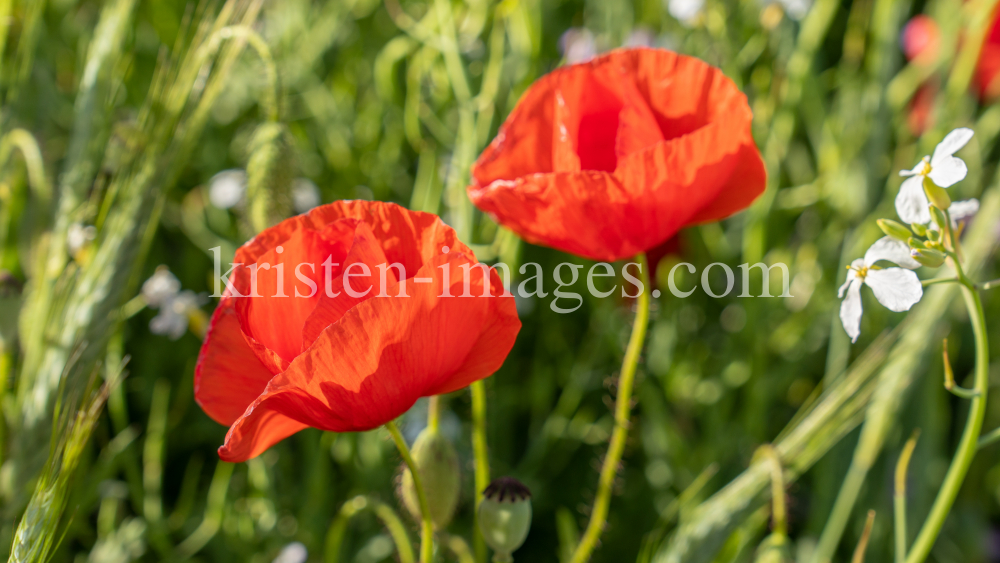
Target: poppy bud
{"x": 893, "y": 229}
{"x": 919, "y": 229}
{"x": 938, "y": 215}
{"x": 439, "y": 472}
{"x": 505, "y": 516}
{"x": 936, "y": 194}
{"x": 774, "y": 549}
{"x": 928, "y": 257}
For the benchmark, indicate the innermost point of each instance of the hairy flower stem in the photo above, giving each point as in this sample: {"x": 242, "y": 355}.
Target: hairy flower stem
{"x": 434, "y": 412}
{"x": 970, "y": 436}
{"x": 482, "y": 474}
{"x": 623, "y": 409}
{"x": 426, "y": 527}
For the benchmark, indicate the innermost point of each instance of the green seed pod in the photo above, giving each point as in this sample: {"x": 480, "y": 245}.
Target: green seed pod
{"x": 928, "y": 257}
{"x": 939, "y": 219}
{"x": 270, "y": 172}
{"x": 439, "y": 474}
{"x": 936, "y": 194}
{"x": 919, "y": 229}
{"x": 505, "y": 517}
{"x": 774, "y": 549}
{"x": 893, "y": 229}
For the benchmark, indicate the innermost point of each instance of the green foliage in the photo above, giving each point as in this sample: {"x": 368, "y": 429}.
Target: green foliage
{"x": 116, "y": 115}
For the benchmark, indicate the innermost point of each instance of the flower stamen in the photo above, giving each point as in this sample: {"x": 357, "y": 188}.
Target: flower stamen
{"x": 926, "y": 169}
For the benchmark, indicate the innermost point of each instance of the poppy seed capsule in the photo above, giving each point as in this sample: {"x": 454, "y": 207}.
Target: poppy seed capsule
{"x": 437, "y": 462}
{"x": 505, "y": 516}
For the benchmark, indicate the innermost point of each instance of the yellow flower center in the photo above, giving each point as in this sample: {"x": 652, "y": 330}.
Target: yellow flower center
{"x": 860, "y": 272}
{"x": 926, "y": 169}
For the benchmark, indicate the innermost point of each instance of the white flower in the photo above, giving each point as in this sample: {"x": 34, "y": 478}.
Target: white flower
{"x": 175, "y": 314}
{"x": 685, "y": 11}
{"x": 640, "y": 37}
{"x": 897, "y": 289}
{"x": 796, "y": 9}
{"x": 226, "y": 188}
{"x": 964, "y": 210}
{"x": 160, "y": 287}
{"x": 305, "y": 195}
{"x": 79, "y": 235}
{"x": 942, "y": 168}
{"x": 294, "y": 552}
{"x": 577, "y": 45}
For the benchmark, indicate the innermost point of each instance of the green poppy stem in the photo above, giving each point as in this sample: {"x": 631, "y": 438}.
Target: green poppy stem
{"x": 426, "y": 527}
{"x": 434, "y": 412}
{"x": 623, "y": 410}
{"x": 482, "y": 460}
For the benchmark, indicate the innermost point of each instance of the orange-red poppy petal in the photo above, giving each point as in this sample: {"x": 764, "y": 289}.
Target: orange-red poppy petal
{"x": 644, "y": 142}
{"x": 228, "y": 376}
{"x": 584, "y": 213}
{"x": 381, "y": 356}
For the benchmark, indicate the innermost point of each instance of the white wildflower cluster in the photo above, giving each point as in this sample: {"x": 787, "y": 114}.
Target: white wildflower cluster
{"x": 935, "y": 225}
{"x": 163, "y": 291}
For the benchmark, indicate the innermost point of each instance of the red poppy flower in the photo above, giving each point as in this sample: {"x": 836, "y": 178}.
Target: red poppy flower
{"x": 347, "y": 353}
{"x": 611, "y": 157}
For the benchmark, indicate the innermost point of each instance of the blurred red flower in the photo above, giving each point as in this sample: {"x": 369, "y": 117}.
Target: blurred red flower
{"x": 272, "y": 365}
{"x": 988, "y": 67}
{"x": 921, "y": 39}
{"x": 612, "y": 157}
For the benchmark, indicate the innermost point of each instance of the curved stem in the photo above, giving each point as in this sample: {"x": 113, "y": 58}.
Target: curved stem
{"x": 385, "y": 513}
{"x": 623, "y": 410}
{"x": 426, "y": 527}
{"x": 257, "y": 43}
{"x": 482, "y": 460}
{"x": 970, "y": 436}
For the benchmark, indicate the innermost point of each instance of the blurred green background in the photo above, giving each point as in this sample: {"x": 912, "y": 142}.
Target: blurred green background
{"x": 392, "y": 101}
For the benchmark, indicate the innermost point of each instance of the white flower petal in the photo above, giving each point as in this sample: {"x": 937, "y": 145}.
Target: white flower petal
{"x": 161, "y": 287}
{"x": 852, "y": 273}
{"x": 915, "y": 172}
{"x": 226, "y": 188}
{"x": 895, "y": 251}
{"x": 850, "y": 311}
{"x": 911, "y": 201}
{"x": 895, "y": 288}
{"x": 948, "y": 172}
{"x": 950, "y": 145}
{"x": 963, "y": 210}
